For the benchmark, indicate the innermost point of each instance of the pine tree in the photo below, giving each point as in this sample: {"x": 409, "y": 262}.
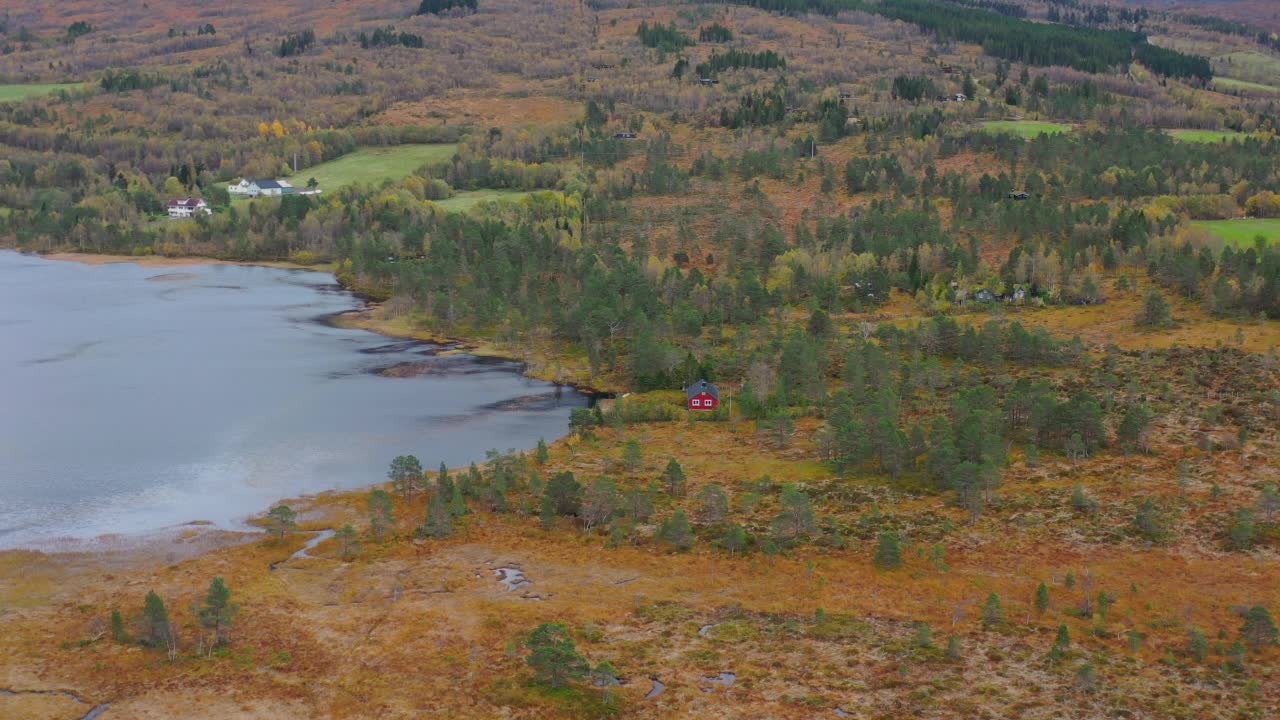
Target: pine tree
{"x": 457, "y": 503}
{"x": 281, "y": 520}
{"x": 439, "y": 522}
{"x": 888, "y": 551}
{"x": 1197, "y": 645}
{"x": 797, "y": 518}
{"x": 381, "y": 520}
{"x": 1086, "y": 679}
{"x": 1259, "y": 629}
{"x": 1241, "y": 532}
{"x": 675, "y": 531}
{"x": 1269, "y": 501}
{"x": 734, "y": 539}
{"x": 992, "y": 612}
{"x": 713, "y": 504}
{"x": 405, "y": 474}
{"x": 1042, "y": 597}
{"x": 1155, "y": 310}
{"x": 155, "y": 620}
{"x": 547, "y": 512}
{"x": 118, "y": 632}
{"x": 565, "y": 494}
{"x": 632, "y": 457}
{"x": 444, "y": 483}
{"x": 554, "y": 656}
{"x": 218, "y": 611}
{"x": 924, "y": 636}
{"x": 543, "y": 453}
{"x": 673, "y": 477}
{"x": 1063, "y": 641}
{"x": 348, "y": 543}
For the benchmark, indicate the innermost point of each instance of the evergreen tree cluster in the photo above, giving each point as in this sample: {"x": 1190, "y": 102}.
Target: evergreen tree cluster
{"x": 388, "y": 37}
{"x": 666, "y": 38}
{"x": 440, "y": 7}
{"x": 296, "y": 43}
{"x": 733, "y": 59}
{"x": 755, "y": 109}
{"x": 715, "y": 33}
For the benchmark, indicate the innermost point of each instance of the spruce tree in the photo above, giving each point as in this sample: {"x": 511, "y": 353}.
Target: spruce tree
{"x": 1241, "y": 532}
{"x": 1259, "y": 629}
{"x": 734, "y": 538}
{"x": 888, "y": 551}
{"x": 674, "y": 479}
{"x": 675, "y": 531}
{"x": 1197, "y": 645}
{"x": 992, "y": 612}
{"x": 155, "y": 620}
{"x": 218, "y": 611}
{"x": 1063, "y": 640}
{"x": 439, "y": 522}
{"x": 1042, "y": 597}
{"x": 381, "y": 520}
{"x": 118, "y": 633}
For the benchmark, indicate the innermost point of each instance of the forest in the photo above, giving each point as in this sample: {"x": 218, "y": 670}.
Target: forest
{"x": 999, "y": 395}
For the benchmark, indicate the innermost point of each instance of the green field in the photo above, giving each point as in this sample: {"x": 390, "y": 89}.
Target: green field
{"x": 21, "y": 92}
{"x": 463, "y": 201}
{"x": 373, "y": 165}
{"x": 1226, "y": 84}
{"x": 1241, "y": 233}
{"x": 1025, "y": 128}
{"x": 1206, "y": 136}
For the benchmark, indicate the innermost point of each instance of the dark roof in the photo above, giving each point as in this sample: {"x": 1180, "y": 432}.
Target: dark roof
{"x": 185, "y": 202}
{"x": 702, "y": 386}
{"x": 267, "y": 184}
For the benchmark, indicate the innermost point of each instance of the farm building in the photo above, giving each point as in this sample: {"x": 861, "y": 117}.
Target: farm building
{"x": 186, "y": 207}
{"x": 265, "y": 188}
{"x": 702, "y": 395}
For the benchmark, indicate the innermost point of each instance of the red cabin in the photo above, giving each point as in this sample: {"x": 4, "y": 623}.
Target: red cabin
{"x": 702, "y": 395}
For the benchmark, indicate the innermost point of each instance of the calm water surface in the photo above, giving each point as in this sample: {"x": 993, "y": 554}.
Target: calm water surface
{"x": 134, "y": 399}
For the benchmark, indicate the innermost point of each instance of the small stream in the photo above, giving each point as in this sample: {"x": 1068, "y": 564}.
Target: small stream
{"x": 93, "y": 713}
{"x": 305, "y": 550}
{"x": 656, "y": 690}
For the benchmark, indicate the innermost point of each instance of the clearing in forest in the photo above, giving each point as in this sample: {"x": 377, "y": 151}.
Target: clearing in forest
{"x": 1206, "y": 136}
{"x": 1025, "y": 128}
{"x": 1226, "y": 84}
{"x": 373, "y": 165}
{"x": 1241, "y": 233}
{"x": 466, "y": 200}
{"x": 21, "y": 92}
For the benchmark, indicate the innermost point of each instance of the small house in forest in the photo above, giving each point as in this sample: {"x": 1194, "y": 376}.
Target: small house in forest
{"x": 187, "y": 207}
{"x": 702, "y": 395}
{"x": 1019, "y": 195}
{"x": 625, "y": 136}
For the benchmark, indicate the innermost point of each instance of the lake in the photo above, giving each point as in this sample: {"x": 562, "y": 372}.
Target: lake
{"x": 134, "y": 399}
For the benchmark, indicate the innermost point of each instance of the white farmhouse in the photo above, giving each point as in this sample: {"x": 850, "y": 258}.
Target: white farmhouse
{"x": 264, "y": 188}
{"x": 187, "y": 207}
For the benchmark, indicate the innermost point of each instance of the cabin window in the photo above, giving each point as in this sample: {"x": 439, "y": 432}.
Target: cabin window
{"x": 697, "y": 402}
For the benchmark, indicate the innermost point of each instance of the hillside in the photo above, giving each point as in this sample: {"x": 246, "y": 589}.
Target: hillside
{"x": 991, "y": 291}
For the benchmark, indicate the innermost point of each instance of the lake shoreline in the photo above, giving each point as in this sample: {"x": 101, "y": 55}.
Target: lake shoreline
{"x": 197, "y": 538}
